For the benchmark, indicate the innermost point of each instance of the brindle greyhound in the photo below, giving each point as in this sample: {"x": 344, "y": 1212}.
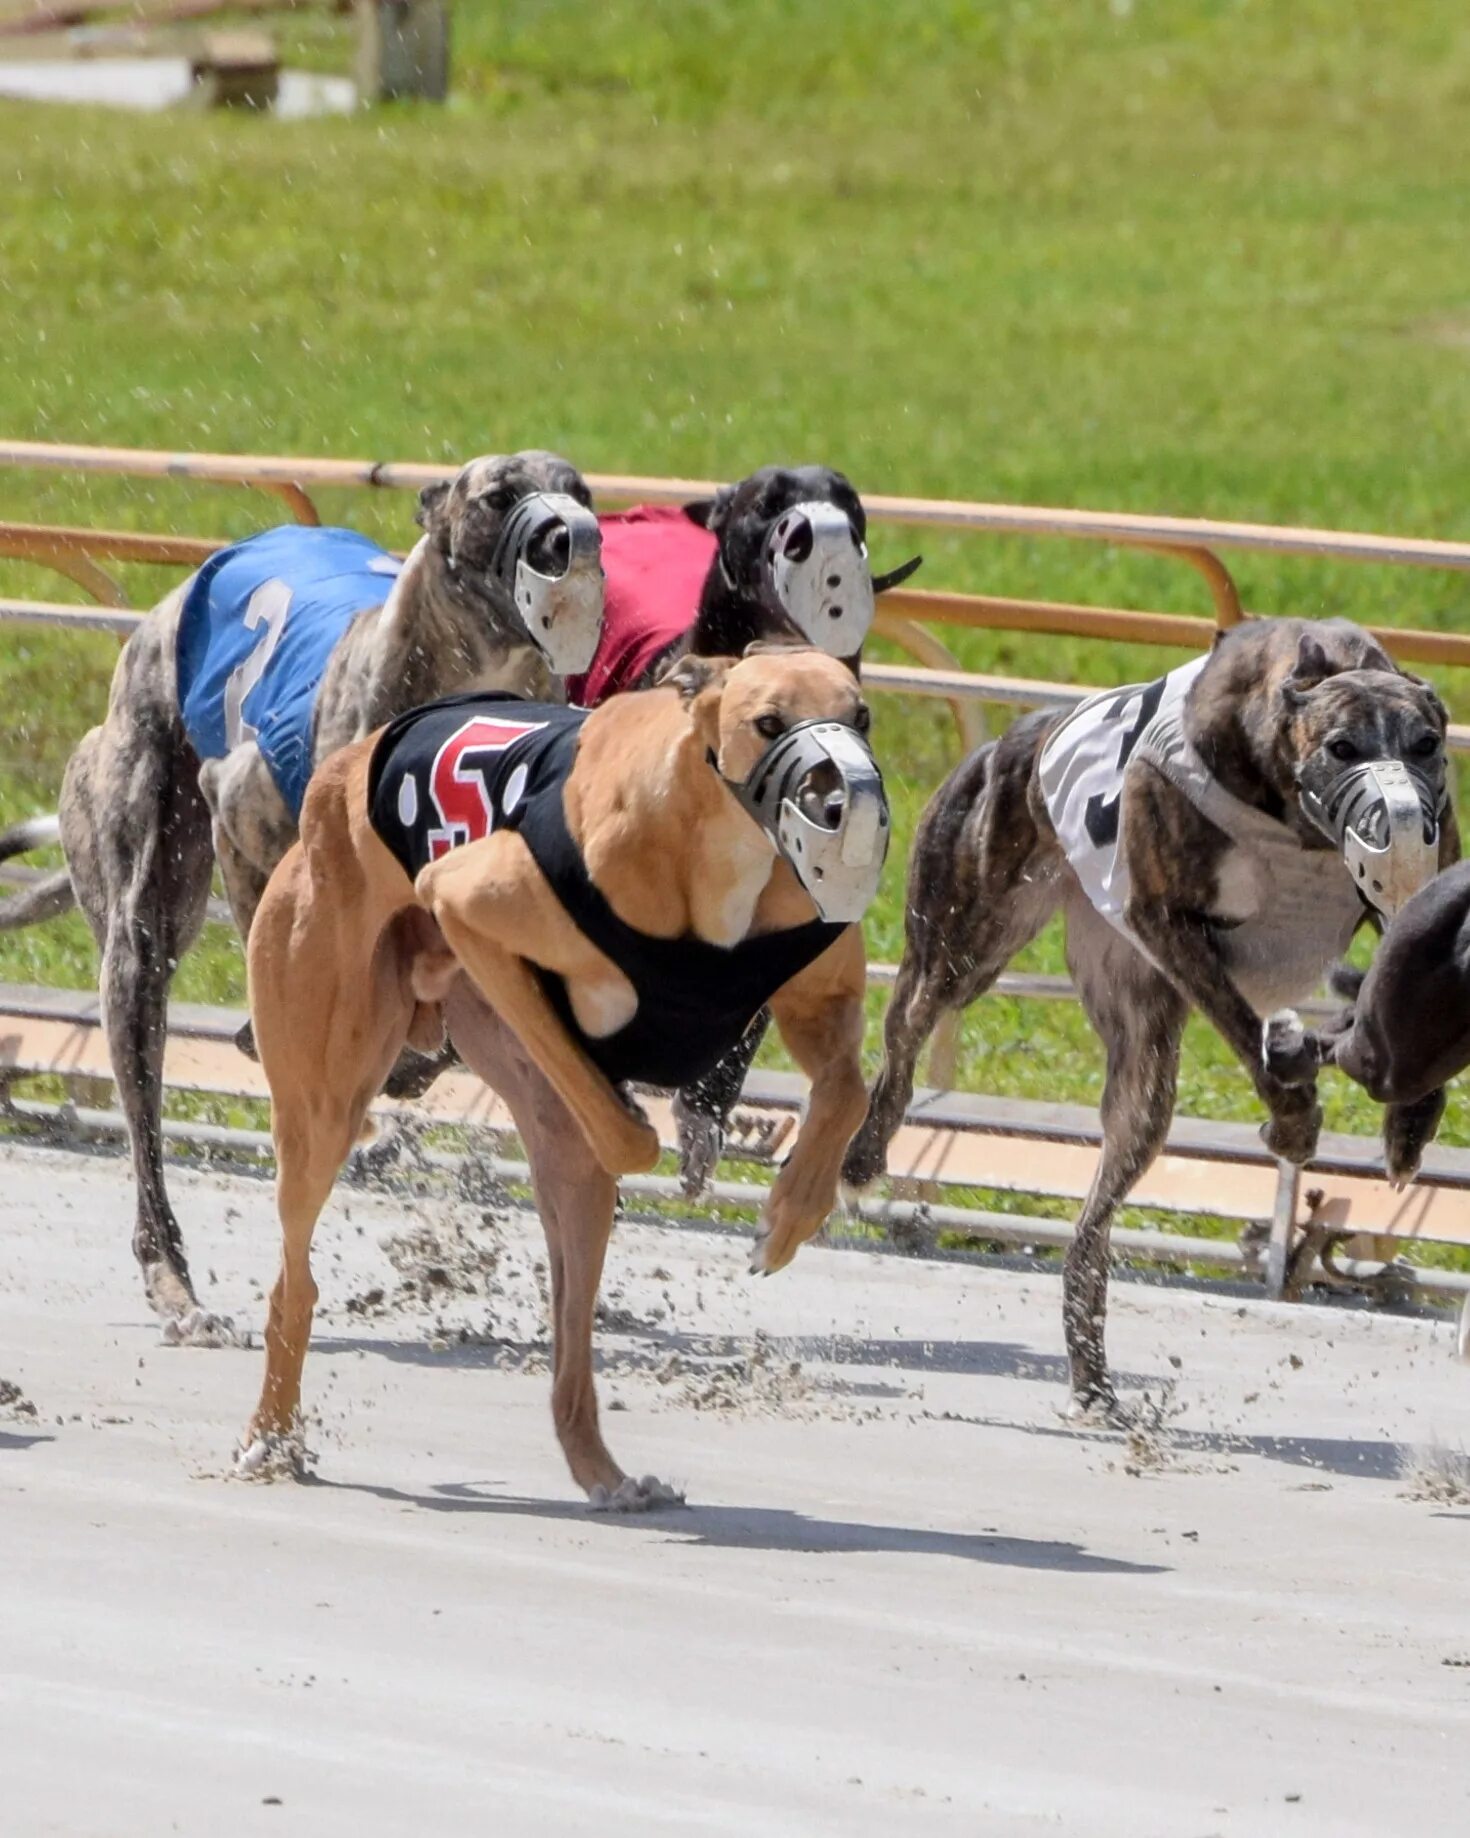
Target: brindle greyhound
{"x": 142, "y": 825}
{"x": 1276, "y": 709}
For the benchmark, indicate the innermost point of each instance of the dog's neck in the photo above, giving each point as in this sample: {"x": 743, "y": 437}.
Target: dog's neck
{"x": 1234, "y": 728}
{"x": 731, "y": 617}
{"x": 662, "y": 838}
{"x": 442, "y": 631}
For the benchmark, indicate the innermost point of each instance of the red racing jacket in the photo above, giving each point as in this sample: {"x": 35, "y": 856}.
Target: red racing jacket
{"x": 656, "y": 561}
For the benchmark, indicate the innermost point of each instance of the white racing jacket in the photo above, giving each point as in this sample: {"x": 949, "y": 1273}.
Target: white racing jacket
{"x": 1284, "y": 913}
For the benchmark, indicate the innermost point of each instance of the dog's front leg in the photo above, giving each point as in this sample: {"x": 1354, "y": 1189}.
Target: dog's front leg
{"x": 820, "y": 1015}
{"x": 1172, "y": 854}
{"x": 500, "y": 919}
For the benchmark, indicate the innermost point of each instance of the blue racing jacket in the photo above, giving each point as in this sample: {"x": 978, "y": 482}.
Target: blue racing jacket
{"x": 258, "y": 625}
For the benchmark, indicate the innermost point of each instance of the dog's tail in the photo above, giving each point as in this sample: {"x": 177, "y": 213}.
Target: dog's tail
{"x": 34, "y": 833}
{"x": 49, "y": 895}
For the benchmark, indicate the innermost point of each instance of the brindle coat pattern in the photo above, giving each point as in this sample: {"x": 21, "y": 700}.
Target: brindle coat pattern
{"x": 141, "y": 825}
{"x": 987, "y": 872}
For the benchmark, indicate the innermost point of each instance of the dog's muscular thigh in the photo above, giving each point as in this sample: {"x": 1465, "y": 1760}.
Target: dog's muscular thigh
{"x": 495, "y": 889}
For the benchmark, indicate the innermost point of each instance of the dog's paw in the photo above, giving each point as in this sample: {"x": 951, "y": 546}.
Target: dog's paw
{"x": 778, "y": 1239}
{"x": 1291, "y": 1133}
{"x": 634, "y": 1496}
{"x": 199, "y": 1328}
{"x": 865, "y": 1161}
{"x": 1408, "y": 1130}
{"x": 1101, "y": 1409}
{"x": 1290, "y": 1054}
{"x": 274, "y": 1457}
{"x": 245, "y": 1040}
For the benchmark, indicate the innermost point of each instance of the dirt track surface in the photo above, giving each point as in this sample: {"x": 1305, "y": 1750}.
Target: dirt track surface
{"x": 902, "y": 1600}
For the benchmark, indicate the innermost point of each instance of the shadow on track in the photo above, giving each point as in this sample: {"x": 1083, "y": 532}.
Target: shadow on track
{"x": 763, "y": 1528}
{"x": 1373, "y": 1461}
{"x": 649, "y": 1345}
{"x": 10, "y": 1440}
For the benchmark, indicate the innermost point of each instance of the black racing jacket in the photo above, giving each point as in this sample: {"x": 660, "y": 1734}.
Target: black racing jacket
{"x": 454, "y": 771}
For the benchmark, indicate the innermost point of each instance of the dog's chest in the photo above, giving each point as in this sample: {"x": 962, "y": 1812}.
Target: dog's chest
{"x": 1283, "y": 915}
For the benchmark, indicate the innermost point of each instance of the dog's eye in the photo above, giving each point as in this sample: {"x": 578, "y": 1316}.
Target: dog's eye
{"x": 1342, "y": 749}
{"x": 1426, "y": 746}
{"x": 770, "y": 726}
{"x": 863, "y": 719}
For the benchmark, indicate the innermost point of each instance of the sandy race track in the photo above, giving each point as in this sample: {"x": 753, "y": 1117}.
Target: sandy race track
{"x": 903, "y": 1599}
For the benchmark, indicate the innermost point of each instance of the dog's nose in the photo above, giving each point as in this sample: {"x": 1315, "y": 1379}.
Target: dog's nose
{"x": 799, "y": 539}
{"x": 832, "y": 809}
{"x": 552, "y": 551}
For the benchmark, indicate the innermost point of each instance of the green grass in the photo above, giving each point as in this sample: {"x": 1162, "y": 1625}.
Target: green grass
{"x": 1197, "y": 257}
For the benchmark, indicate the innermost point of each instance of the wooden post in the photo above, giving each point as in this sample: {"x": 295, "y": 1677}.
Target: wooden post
{"x": 403, "y": 50}
{"x": 235, "y": 70}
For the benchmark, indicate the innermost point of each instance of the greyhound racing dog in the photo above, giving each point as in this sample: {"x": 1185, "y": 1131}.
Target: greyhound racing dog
{"x": 280, "y": 650}
{"x": 780, "y": 555}
{"x": 1406, "y": 1031}
{"x": 1205, "y": 837}
{"x": 579, "y": 899}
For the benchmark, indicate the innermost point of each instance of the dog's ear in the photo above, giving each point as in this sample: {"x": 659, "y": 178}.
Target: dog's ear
{"x": 710, "y": 513}
{"x": 765, "y": 647}
{"x": 431, "y": 504}
{"x": 1438, "y": 713}
{"x": 1311, "y": 667}
{"x": 691, "y": 675}
{"x": 1362, "y": 648}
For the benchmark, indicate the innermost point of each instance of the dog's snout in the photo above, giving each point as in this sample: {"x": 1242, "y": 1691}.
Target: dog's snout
{"x": 551, "y": 552}
{"x": 822, "y": 798}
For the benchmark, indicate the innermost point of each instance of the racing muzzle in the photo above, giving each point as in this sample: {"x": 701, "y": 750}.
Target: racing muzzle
{"x": 1384, "y": 817}
{"x": 818, "y": 794}
{"x": 817, "y": 571}
{"x": 562, "y": 613}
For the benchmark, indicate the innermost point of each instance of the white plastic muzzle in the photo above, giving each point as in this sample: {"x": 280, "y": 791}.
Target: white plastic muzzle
{"x": 1385, "y": 820}
{"x": 562, "y": 613}
{"x": 818, "y": 794}
{"x": 818, "y": 573}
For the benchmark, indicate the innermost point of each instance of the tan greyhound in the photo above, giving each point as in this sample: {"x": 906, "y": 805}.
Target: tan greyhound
{"x": 580, "y": 900}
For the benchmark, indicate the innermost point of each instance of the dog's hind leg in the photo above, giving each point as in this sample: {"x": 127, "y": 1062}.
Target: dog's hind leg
{"x": 252, "y": 830}
{"x": 983, "y": 880}
{"x": 575, "y": 1197}
{"x": 1140, "y": 1017}
{"x": 136, "y": 835}
{"x": 333, "y": 1005}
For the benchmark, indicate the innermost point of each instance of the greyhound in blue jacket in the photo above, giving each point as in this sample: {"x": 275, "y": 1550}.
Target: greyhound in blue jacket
{"x": 279, "y": 651}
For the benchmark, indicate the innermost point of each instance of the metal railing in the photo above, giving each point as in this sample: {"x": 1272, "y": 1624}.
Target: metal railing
{"x": 907, "y": 616}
